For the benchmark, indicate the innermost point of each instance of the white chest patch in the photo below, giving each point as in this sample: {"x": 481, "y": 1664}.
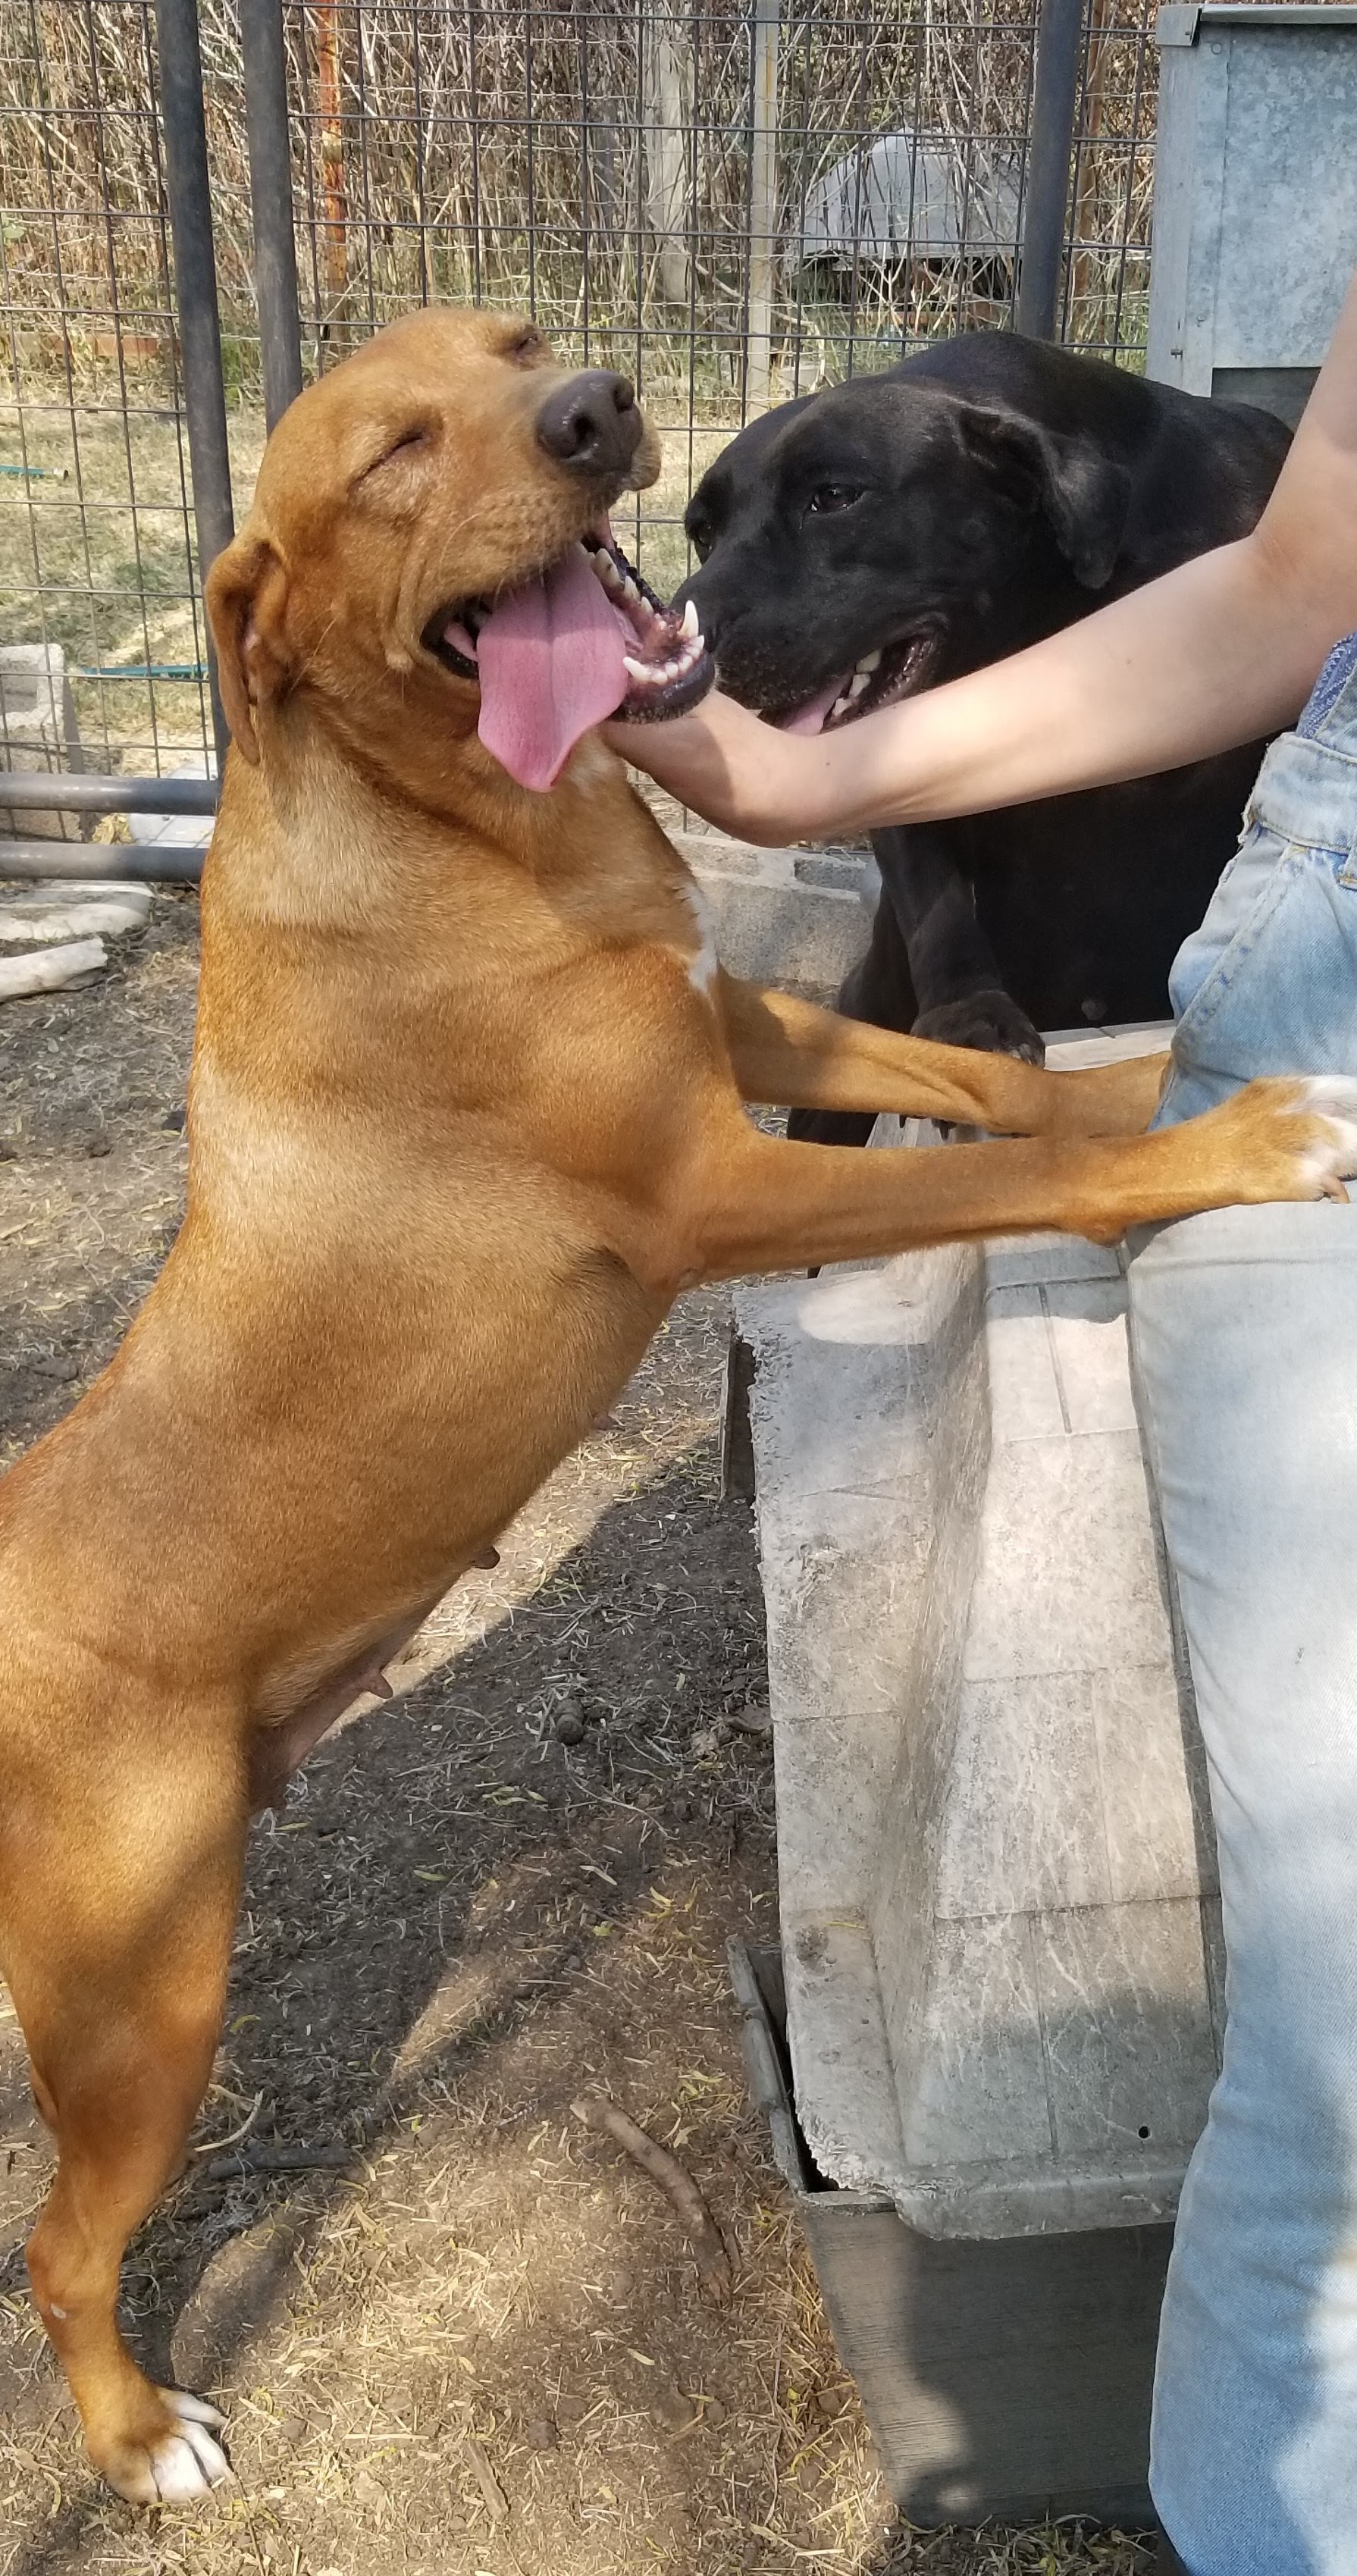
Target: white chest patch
{"x": 702, "y": 968}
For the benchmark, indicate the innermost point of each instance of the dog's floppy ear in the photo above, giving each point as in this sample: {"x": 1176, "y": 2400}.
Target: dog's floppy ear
{"x": 247, "y": 591}
{"x": 1084, "y": 497}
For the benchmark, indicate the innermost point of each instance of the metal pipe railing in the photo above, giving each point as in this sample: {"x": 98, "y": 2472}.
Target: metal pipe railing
{"x": 103, "y": 862}
{"x": 53, "y": 791}
{"x": 112, "y": 862}
{"x": 1055, "y": 93}
{"x": 188, "y": 190}
{"x": 275, "y": 240}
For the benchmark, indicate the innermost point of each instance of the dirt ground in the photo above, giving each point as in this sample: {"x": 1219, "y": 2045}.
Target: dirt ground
{"x": 457, "y": 2333}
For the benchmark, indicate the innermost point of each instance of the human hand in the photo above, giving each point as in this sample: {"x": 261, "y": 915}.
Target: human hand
{"x": 738, "y": 772}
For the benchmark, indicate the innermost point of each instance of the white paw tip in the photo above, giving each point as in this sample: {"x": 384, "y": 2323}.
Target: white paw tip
{"x": 186, "y": 2466}
{"x": 1335, "y": 1094}
{"x": 189, "y": 2464}
{"x": 191, "y": 2409}
{"x": 1333, "y": 1097}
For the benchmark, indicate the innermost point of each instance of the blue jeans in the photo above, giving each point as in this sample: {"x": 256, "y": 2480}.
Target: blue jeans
{"x": 1243, "y": 1338}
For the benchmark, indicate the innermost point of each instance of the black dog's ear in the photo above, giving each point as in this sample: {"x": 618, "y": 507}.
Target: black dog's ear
{"x": 1085, "y": 498}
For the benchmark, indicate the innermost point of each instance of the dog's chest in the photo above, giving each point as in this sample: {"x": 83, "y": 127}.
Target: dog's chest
{"x": 700, "y": 960}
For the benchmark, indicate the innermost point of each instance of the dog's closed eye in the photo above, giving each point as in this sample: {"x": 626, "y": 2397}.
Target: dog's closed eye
{"x": 403, "y": 448}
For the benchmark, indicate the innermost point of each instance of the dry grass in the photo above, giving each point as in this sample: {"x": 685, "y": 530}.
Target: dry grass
{"x": 620, "y": 200}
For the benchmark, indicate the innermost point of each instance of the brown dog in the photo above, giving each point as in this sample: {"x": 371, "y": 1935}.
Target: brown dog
{"x": 466, "y": 1113}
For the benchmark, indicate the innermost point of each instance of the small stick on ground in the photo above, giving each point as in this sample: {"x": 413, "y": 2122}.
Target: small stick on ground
{"x": 713, "y": 2263}
{"x": 496, "y": 2501}
{"x": 280, "y": 2160}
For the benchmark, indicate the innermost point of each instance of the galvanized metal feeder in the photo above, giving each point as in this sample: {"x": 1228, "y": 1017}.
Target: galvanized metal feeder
{"x": 1255, "y": 198}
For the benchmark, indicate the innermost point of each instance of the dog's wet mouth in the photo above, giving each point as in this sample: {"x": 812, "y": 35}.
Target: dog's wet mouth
{"x": 585, "y": 639}
{"x": 878, "y": 679}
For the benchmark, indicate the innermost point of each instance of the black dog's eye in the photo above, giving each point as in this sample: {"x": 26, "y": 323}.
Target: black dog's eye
{"x": 700, "y": 538}
{"x": 833, "y": 496}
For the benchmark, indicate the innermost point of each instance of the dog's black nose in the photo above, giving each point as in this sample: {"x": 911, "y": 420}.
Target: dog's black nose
{"x": 592, "y": 422}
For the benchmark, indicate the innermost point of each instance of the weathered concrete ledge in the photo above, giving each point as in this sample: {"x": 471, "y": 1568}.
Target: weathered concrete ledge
{"x": 999, "y": 1916}
{"x": 784, "y": 916}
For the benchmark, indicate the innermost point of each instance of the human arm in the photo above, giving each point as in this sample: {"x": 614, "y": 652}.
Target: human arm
{"x": 1220, "y": 651}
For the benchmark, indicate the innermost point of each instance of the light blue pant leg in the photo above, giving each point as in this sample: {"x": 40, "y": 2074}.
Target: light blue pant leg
{"x": 1244, "y": 1326}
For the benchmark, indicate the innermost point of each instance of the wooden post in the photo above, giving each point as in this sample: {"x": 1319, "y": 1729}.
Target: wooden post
{"x": 1086, "y": 191}
{"x": 758, "y": 373}
{"x": 334, "y": 194}
{"x": 666, "y": 83}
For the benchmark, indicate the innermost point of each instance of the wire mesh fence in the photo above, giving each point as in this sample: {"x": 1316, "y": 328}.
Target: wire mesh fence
{"x": 732, "y": 201}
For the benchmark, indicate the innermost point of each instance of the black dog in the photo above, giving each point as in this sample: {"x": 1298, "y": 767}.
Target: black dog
{"x": 866, "y": 542}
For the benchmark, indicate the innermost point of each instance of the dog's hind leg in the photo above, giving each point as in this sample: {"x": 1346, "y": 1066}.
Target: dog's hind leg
{"x": 117, "y": 1924}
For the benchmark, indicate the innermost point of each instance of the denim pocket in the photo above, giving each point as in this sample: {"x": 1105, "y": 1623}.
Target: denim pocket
{"x": 1268, "y": 985}
{"x": 1250, "y": 891}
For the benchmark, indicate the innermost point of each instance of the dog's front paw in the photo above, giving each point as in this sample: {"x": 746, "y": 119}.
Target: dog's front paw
{"x": 989, "y": 1022}
{"x": 168, "y": 2454}
{"x": 1297, "y": 1138}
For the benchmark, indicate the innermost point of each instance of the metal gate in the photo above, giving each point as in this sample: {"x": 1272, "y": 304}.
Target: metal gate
{"x": 730, "y": 200}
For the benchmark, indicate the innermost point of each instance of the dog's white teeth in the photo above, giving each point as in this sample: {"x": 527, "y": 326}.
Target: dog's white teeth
{"x": 869, "y": 663}
{"x": 675, "y": 666}
{"x": 860, "y": 680}
{"x": 629, "y": 589}
{"x": 840, "y": 706}
{"x": 689, "y": 626}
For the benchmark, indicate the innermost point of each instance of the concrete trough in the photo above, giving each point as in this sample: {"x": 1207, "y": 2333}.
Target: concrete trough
{"x": 1005, "y": 2376}
{"x": 999, "y": 1917}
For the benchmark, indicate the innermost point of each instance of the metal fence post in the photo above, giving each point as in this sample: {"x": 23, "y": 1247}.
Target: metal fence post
{"x": 195, "y": 278}
{"x": 762, "y": 208}
{"x": 1055, "y": 91}
{"x": 275, "y": 242}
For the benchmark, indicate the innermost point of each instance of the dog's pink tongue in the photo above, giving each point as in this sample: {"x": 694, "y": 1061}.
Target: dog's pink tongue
{"x": 550, "y": 661}
{"x": 810, "y": 717}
